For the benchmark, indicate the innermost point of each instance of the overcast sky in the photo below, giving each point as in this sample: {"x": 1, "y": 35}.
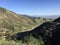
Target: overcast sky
{"x": 32, "y": 7}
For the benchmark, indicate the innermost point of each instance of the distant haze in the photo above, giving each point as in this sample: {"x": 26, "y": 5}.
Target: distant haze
{"x": 52, "y": 16}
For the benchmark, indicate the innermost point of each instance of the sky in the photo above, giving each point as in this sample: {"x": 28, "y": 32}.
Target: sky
{"x": 32, "y": 7}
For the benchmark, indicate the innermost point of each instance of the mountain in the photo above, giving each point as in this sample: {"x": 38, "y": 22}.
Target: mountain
{"x": 48, "y": 32}
{"x": 18, "y": 23}
{"x": 27, "y": 30}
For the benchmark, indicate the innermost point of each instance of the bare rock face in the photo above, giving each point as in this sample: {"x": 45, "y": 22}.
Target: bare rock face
{"x": 49, "y": 32}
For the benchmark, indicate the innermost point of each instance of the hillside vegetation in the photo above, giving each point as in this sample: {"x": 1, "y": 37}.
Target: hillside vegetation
{"x": 18, "y": 23}
{"x": 12, "y": 23}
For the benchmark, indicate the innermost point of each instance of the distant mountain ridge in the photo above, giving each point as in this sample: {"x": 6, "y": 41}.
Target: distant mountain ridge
{"x": 52, "y": 16}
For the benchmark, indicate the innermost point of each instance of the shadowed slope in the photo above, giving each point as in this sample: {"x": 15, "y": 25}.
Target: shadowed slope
{"x": 48, "y": 32}
{"x": 57, "y": 20}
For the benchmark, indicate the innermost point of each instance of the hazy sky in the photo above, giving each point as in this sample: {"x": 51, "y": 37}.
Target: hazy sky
{"x": 32, "y": 7}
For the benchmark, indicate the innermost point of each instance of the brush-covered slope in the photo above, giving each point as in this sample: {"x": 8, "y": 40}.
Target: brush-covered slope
{"x": 47, "y": 32}
{"x": 11, "y": 21}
